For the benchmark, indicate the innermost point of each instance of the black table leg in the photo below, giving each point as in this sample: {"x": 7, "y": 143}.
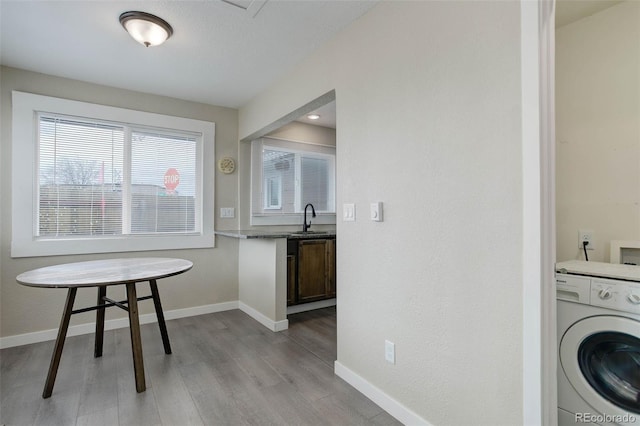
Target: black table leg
{"x": 57, "y": 351}
{"x": 136, "y": 341}
{"x": 160, "y": 315}
{"x": 102, "y": 292}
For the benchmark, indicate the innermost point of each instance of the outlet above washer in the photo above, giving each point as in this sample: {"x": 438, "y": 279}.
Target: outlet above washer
{"x": 586, "y": 235}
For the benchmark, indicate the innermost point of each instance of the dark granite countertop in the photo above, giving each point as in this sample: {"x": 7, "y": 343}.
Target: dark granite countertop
{"x": 251, "y": 234}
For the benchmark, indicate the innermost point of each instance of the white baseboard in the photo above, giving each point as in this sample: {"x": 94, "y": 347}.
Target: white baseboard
{"x": 87, "y": 328}
{"x": 262, "y": 319}
{"x": 303, "y": 307}
{"x": 388, "y": 404}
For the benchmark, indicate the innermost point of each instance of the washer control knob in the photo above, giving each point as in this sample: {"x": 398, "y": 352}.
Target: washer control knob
{"x": 605, "y": 293}
{"x": 634, "y": 298}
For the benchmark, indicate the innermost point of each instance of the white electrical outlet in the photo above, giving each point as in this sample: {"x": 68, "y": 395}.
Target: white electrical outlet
{"x": 390, "y": 352}
{"x": 586, "y": 235}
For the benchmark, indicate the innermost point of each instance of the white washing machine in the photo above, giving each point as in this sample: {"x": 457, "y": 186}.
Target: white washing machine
{"x": 598, "y": 348}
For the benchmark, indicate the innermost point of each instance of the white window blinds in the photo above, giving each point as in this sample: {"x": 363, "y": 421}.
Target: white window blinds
{"x": 287, "y": 175}
{"x": 100, "y": 178}
{"x": 163, "y": 183}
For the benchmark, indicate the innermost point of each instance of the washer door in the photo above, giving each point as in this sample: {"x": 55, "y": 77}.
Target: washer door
{"x": 601, "y": 358}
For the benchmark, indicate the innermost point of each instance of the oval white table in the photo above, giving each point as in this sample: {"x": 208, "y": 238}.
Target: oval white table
{"x": 100, "y": 274}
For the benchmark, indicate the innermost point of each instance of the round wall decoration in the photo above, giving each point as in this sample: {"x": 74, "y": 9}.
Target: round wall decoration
{"x": 226, "y": 165}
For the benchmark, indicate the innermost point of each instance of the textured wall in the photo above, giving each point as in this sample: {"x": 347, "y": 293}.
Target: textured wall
{"x": 598, "y": 130}
{"x": 262, "y": 276}
{"x": 428, "y": 113}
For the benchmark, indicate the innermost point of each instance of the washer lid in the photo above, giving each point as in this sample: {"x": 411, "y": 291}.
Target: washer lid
{"x": 601, "y": 358}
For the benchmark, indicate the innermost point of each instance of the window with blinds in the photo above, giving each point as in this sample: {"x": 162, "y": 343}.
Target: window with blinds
{"x": 287, "y": 175}
{"x": 91, "y": 178}
{"x": 104, "y": 179}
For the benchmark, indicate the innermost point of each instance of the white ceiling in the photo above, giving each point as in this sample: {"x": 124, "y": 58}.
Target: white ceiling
{"x": 568, "y": 11}
{"x": 327, "y": 115}
{"x": 221, "y": 52}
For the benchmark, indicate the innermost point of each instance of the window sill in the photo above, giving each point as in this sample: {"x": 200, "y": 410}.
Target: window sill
{"x": 57, "y": 247}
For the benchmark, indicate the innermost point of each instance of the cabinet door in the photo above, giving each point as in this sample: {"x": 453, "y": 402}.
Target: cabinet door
{"x": 331, "y": 268}
{"x": 312, "y": 270}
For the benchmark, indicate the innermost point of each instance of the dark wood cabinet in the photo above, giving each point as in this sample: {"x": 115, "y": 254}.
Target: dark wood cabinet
{"x": 331, "y": 256}
{"x": 312, "y": 270}
{"x": 291, "y": 279}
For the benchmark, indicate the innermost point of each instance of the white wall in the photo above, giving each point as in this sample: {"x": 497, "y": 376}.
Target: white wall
{"x": 214, "y": 276}
{"x": 598, "y": 130}
{"x": 428, "y": 101}
{"x": 262, "y": 280}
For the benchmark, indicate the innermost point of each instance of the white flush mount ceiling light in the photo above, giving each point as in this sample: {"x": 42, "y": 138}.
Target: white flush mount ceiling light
{"x": 313, "y": 116}
{"x": 145, "y": 28}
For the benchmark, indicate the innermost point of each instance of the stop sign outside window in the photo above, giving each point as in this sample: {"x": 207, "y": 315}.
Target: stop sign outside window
{"x": 171, "y": 179}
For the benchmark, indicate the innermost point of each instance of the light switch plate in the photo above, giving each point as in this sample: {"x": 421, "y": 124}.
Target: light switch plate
{"x": 227, "y": 212}
{"x": 376, "y": 211}
{"x": 390, "y": 352}
{"x": 349, "y": 212}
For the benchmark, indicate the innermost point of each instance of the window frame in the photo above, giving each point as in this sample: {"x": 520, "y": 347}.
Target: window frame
{"x": 24, "y": 199}
{"x": 268, "y": 193}
{"x": 268, "y": 216}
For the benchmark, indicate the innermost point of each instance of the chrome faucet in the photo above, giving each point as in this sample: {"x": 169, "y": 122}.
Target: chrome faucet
{"x": 305, "y": 226}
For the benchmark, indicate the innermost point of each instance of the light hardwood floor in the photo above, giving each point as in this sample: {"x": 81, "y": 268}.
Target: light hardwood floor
{"x": 226, "y": 369}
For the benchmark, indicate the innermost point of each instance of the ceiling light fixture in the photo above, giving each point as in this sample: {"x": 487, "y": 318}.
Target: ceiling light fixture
{"x": 145, "y": 28}
{"x": 313, "y": 116}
